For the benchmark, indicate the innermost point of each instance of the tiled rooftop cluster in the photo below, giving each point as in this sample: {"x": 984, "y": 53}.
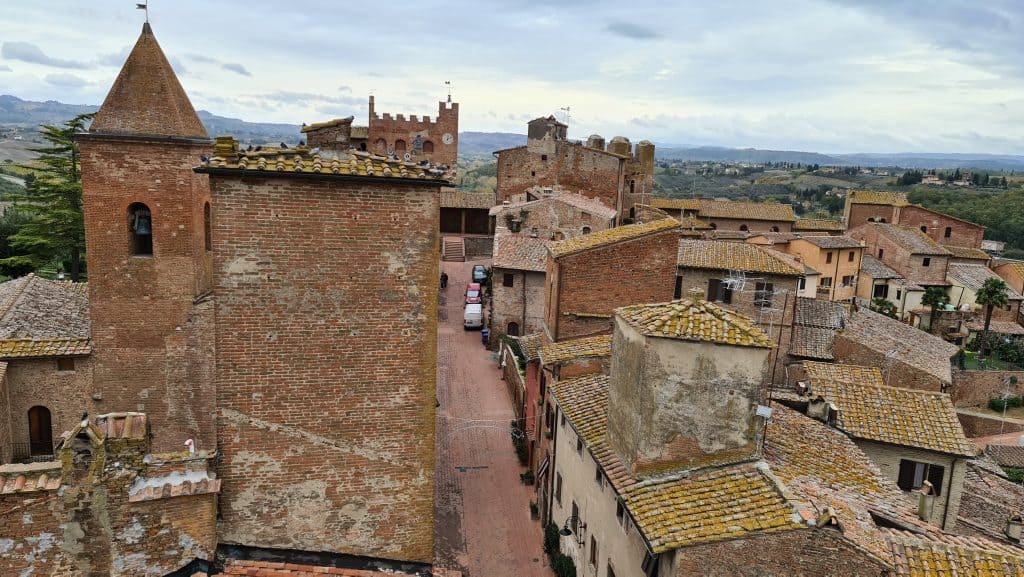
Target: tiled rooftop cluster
{"x": 840, "y": 373}
{"x": 675, "y": 203}
{"x": 877, "y": 269}
{"x": 531, "y": 345}
{"x": 774, "y": 211}
{"x": 968, "y": 252}
{"x": 814, "y": 328}
{"x": 720, "y": 255}
{"x": 302, "y": 160}
{"x": 878, "y": 197}
{"x": 818, "y": 224}
{"x": 973, "y": 276}
{"x": 695, "y": 320}
{"x": 611, "y": 236}
{"x": 901, "y": 342}
{"x": 588, "y": 347}
{"x": 43, "y": 318}
{"x": 913, "y": 240}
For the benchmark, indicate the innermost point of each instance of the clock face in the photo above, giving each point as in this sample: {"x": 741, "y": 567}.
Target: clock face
{"x": 447, "y": 138}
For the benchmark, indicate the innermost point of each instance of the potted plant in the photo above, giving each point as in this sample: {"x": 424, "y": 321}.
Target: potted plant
{"x": 527, "y": 477}
{"x": 534, "y": 510}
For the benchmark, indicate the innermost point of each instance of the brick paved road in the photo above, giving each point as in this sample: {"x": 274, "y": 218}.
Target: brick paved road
{"x": 482, "y": 509}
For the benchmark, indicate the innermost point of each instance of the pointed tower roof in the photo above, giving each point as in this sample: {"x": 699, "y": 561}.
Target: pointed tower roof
{"x": 147, "y": 98}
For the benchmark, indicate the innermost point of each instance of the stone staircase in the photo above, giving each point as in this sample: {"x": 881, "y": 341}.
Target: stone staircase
{"x": 453, "y": 249}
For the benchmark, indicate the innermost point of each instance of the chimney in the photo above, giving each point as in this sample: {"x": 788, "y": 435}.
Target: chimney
{"x": 803, "y": 388}
{"x": 926, "y": 502}
{"x": 1013, "y": 528}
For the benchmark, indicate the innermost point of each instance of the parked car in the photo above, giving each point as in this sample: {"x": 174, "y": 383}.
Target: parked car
{"x": 473, "y": 295}
{"x": 473, "y": 316}
{"x": 479, "y": 273}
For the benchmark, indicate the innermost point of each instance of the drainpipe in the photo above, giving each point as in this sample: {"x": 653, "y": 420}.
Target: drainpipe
{"x": 835, "y": 277}
{"x": 949, "y": 487}
{"x": 554, "y": 454}
{"x": 523, "y": 329}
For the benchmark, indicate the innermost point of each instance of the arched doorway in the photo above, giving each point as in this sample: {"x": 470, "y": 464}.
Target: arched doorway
{"x": 513, "y": 330}
{"x": 40, "y": 431}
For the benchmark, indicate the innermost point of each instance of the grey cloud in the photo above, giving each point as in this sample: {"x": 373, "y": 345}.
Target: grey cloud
{"x": 631, "y": 30}
{"x": 309, "y": 98}
{"x": 5, "y": 68}
{"x": 202, "y": 58}
{"x": 65, "y": 80}
{"x": 236, "y": 67}
{"x": 28, "y": 52}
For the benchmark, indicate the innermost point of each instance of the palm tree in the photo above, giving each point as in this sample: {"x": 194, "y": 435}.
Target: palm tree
{"x": 993, "y": 293}
{"x": 934, "y": 297}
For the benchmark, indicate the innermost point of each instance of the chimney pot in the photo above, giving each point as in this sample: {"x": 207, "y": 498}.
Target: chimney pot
{"x": 1013, "y": 528}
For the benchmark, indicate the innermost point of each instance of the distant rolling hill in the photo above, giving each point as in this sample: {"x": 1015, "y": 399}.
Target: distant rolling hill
{"x": 27, "y": 114}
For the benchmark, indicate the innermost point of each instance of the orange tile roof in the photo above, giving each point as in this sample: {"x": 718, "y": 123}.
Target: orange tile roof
{"x": 968, "y": 252}
{"x": 964, "y": 557}
{"x": 695, "y": 320}
{"x": 722, "y": 255}
{"x": 840, "y": 373}
{"x": 451, "y": 198}
{"x": 675, "y": 203}
{"x": 282, "y": 569}
{"x": 771, "y": 211}
{"x": 815, "y": 224}
{"x": 303, "y": 160}
{"x": 907, "y": 417}
{"x": 33, "y": 348}
{"x": 560, "y": 352}
{"x": 532, "y": 344}
{"x": 25, "y": 478}
{"x": 32, "y": 307}
{"x": 611, "y": 236}
{"x": 146, "y": 98}
{"x": 877, "y": 197}
{"x": 694, "y": 223}
{"x": 520, "y": 252}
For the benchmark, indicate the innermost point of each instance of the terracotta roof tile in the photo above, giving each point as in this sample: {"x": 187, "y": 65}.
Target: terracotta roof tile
{"x": 695, "y": 320}
{"x": 694, "y": 224}
{"x": 1006, "y": 455}
{"x": 612, "y": 236}
{"x": 146, "y": 98}
{"x": 916, "y": 557}
{"x": 911, "y": 239}
{"x": 721, "y": 255}
{"x": 520, "y": 252}
{"x": 283, "y": 569}
{"x": 840, "y": 373}
{"x": 832, "y": 242}
{"x": 877, "y": 197}
{"x": 17, "y": 478}
{"x": 559, "y": 195}
{"x": 815, "y": 224}
{"x": 302, "y": 160}
{"x": 813, "y": 342}
{"x": 906, "y": 417}
{"x": 34, "y": 348}
{"x": 675, "y": 203}
{"x": 560, "y": 352}
{"x": 968, "y": 252}
{"x": 451, "y": 198}
{"x": 772, "y": 211}
{"x": 709, "y": 505}
{"x": 998, "y": 327}
{"x": 33, "y": 307}
{"x": 973, "y": 276}
{"x": 1017, "y": 267}
{"x": 925, "y": 352}
{"x": 123, "y": 425}
{"x": 532, "y": 344}
{"x": 877, "y": 269}
{"x": 820, "y": 313}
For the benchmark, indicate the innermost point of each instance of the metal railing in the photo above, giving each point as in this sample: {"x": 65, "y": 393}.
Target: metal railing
{"x": 31, "y": 453}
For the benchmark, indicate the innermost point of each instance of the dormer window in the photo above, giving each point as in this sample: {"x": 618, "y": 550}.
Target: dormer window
{"x": 140, "y": 230}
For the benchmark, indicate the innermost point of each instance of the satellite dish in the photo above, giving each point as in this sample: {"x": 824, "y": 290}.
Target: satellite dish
{"x": 407, "y": 156}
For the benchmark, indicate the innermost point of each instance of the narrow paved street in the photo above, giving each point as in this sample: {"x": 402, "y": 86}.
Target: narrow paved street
{"x": 482, "y": 509}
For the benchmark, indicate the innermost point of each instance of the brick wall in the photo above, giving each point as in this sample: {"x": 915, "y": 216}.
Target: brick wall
{"x": 976, "y": 388}
{"x": 549, "y": 216}
{"x": 140, "y": 305}
{"x": 386, "y": 130}
{"x": 893, "y": 370}
{"x": 592, "y": 173}
{"x": 911, "y": 266}
{"x": 522, "y": 303}
{"x": 822, "y": 552}
{"x": 858, "y": 214}
{"x": 6, "y": 450}
{"x": 752, "y": 225}
{"x": 592, "y": 283}
{"x": 961, "y": 233}
{"x": 32, "y": 382}
{"x": 978, "y": 425}
{"x": 326, "y": 363}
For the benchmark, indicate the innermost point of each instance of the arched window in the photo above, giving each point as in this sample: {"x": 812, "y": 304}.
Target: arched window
{"x": 586, "y": 230}
{"x": 362, "y": 146}
{"x": 380, "y": 146}
{"x": 512, "y": 330}
{"x": 207, "y": 239}
{"x": 428, "y": 147}
{"x": 140, "y": 230}
{"x": 871, "y": 219}
{"x": 881, "y": 220}
{"x": 40, "y": 431}
{"x": 775, "y": 229}
{"x": 632, "y": 187}
{"x": 744, "y": 228}
{"x": 924, "y": 229}
{"x": 948, "y": 232}
{"x": 399, "y": 147}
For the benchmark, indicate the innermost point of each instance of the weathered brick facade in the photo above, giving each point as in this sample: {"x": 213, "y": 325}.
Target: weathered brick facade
{"x": 942, "y": 228}
{"x": 422, "y": 138}
{"x": 326, "y": 291}
{"x": 585, "y": 287}
{"x": 921, "y": 265}
{"x": 518, "y": 305}
{"x": 32, "y": 382}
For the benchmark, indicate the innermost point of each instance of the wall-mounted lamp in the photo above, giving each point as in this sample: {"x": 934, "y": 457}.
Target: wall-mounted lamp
{"x": 573, "y": 522}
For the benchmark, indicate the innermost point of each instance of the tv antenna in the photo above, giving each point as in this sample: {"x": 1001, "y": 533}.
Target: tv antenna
{"x": 144, "y": 6}
{"x": 448, "y": 83}
{"x": 566, "y": 110}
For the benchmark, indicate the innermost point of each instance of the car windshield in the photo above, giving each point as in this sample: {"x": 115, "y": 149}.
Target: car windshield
{"x": 472, "y": 294}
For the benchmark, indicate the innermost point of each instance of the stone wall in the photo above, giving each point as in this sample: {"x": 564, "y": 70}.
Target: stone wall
{"x": 980, "y": 425}
{"x": 752, "y": 225}
{"x": 858, "y": 214}
{"x": 139, "y": 305}
{"x": 32, "y": 382}
{"x": 522, "y": 303}
{"x": 592, "y": 173}
{"x": 592, "y": 283}
{"x": 515, "y": 381}
{"x": 326, "y": 345}
{"x": 976, "y": 388}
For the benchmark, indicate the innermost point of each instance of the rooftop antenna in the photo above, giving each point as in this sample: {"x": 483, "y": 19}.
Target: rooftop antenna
{"x": 145, "y": 7}
{"x": 448, "y": 83}
{"x": 566, "y": 110}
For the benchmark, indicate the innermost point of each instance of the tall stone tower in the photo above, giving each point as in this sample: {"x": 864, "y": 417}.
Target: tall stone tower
{"x": 146, "y": 228}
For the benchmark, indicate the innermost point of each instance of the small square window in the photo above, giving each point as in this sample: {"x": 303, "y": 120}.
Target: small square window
{"x": 66, "y": 364}
{"x": 851, "y": 257}
{"x": 507, "y": 280}
{"x": 543, "y": 157}
{"x": 926, "y": 261}
{"x": 533, "y": 173}
{"x": 828, "y": 257}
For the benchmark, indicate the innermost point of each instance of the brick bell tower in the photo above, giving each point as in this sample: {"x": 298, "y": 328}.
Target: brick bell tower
{"x": 147, "y": 222}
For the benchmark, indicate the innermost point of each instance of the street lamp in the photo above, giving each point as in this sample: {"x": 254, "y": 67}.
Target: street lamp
{"x": 571, "y": 523}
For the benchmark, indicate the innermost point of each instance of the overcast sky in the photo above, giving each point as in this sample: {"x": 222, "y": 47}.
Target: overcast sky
{"x": 829, "y": 76}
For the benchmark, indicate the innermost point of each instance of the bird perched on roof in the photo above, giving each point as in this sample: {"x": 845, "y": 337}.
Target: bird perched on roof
{"x": 249, "y": 149}
{"x": 85, "y": 419}
{"x": 259, "y": 148}
{"x": 204, "y": 159}
{"x": 283, "y": 145}
{"x": 315, "y": 150}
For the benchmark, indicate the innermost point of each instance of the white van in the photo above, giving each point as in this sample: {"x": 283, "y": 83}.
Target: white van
{"x": 473, "y": 317}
